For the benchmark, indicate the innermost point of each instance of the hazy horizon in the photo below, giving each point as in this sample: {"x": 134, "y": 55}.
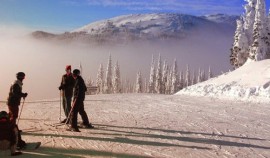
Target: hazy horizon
{"x": 44, "y": 62}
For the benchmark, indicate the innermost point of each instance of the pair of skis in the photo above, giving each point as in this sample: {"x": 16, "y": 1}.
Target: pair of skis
{"x": 32, "y": 146}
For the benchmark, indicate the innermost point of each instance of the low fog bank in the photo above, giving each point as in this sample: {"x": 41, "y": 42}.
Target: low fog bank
{"x": 44, "y": 62}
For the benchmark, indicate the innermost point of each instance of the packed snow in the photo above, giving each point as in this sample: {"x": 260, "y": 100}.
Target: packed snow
{"x": 250, "y": 82}
{"x": 145, "y": 125}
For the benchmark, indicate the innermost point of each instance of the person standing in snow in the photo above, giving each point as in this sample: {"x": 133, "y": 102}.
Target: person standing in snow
{"x": 78, "y": 104}
{"x": 8, "y": 134}
{"x": 13, "y": 102}
{"x": 67, "y": 84}
{"x": 15, "y": 95}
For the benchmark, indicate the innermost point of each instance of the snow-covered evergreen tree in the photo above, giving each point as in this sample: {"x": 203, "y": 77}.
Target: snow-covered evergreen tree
{"x": 145, "y": 86}
{"x": 199, "y": 80}
{"x": 139, "y": 84}
{"x": 193, "y": 80}
{"x": 169, "y": 83}
{"x": 210, "y": 74}
{"x": 108, "y": 88}
{"x": 203, "y": 78}
{"x": 125, "y": 85}
{"x": 117, "y": 79}
{"x": 100, "y": 79}
{"x": 239, "y": 51}
{"x": 258, "y": 48}
{"x": 267, "y": 40}
{"x": 158, "y": 85}
{"x": 152, "y": 80}
{"x": 89, "y": 82}
{"x": 249, "y": 19}
{"x": 164, "y": 76}
{"x": 181, "y": 80}
{"x": 187, "y": 82}
{"x": 175, "y": 82}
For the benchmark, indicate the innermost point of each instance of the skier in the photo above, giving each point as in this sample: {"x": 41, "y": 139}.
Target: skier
{"x": 15, "y": 95}
{"x": 8, "y": 134}
{"x": 78, "y": 105}
{"x": 67, "y": 84}
{"x": 13, "y": 102}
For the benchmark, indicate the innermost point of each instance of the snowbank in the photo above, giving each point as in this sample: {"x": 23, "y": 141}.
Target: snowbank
{"x": 250, "y": 82}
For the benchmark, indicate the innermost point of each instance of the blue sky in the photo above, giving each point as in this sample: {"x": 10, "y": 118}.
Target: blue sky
{"x": 65, "y": 15}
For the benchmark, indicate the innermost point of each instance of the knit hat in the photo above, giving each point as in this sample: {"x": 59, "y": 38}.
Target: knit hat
{"x": 20, "y": 75}
{"x": 76, "y": 72}
{"x": 3, "y": 114}
{"x": 68, "y": 67}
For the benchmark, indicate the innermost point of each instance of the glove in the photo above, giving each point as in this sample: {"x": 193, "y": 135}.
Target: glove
{"x": 25, "y": 95}
{"x": 60, "y": 88}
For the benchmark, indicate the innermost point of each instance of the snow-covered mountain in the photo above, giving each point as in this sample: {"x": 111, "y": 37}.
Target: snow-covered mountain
{"x": 222, "y": 18}
{"x": 146, "y": 26}
{"x": 241, "y": 84}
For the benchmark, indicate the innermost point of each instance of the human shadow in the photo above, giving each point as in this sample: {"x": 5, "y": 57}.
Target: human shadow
{"x": 181, "y": 132}
{"x": 181, "y": 138}
{"x": 74, "y": 153}
{"x": 122, "y": 139}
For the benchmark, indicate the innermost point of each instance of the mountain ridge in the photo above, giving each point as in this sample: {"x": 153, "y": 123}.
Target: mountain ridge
{"x": 135, "y": 27}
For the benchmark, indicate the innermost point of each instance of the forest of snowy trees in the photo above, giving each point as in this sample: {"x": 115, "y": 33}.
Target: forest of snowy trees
{"x": 252, "y": 36}
{"x": 163, "y": 79}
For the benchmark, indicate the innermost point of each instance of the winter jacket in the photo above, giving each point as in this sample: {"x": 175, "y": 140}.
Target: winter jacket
{"x": 79, "y": 89}
{"x": 67, "y": 85}
{"x": 15, "y": 94}
{"x": 7, "y": 131}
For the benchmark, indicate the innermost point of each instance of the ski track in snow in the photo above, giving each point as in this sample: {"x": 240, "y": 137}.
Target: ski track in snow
{"x": 145, "y": 125}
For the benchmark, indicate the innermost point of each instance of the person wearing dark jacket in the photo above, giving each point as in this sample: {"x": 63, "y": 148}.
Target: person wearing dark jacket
{"x": 78, "y": 105}
{"x": 8, "y": 134}
{"x": 15, "y": 95}
{"x": 67, "y": 84}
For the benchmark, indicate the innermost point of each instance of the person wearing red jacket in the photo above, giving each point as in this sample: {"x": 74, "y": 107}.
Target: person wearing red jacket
{"x": 66, "y": 86}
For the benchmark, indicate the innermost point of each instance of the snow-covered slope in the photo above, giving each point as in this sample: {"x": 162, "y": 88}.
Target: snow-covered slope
{"x": 145, "y": 24}
{"x": 222, "y": 18}
{"x": 249, "y": 82}
{"x": 150, "y": 126}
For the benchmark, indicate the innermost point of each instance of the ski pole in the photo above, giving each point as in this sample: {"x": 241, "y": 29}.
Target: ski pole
{"x": 71, "y": 111}
{"x": 20, "y": 112}
{"x": 60, "y": 107}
